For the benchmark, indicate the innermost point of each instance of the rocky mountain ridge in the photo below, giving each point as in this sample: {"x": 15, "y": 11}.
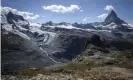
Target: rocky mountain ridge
{"x": 54, "y": 44}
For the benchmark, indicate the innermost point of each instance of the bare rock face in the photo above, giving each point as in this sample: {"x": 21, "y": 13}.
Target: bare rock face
{"x": 112, "y": 17}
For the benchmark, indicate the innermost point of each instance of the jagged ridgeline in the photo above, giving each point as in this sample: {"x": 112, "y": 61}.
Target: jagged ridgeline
{"x": 28, "y": 46}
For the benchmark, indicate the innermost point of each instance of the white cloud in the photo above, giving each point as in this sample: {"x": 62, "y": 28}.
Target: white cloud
{"x": 109, "y": 7}
{"x": 85, "y": 19}
{"x": 35, "y": 24}
{"x": 102, "y": 16}
{"x": 131, "y": 25}
{"x": 62, "y": 9}
{"x": 26, "y": 15}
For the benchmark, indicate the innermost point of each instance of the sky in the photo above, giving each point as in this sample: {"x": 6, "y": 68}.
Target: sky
{"x": 81, "y": 11}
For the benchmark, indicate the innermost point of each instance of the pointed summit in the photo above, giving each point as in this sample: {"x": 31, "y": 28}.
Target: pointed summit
{"x": 13, "y": 17}
{"x": 112, "y": 17}
{"x": 113, "y": 13}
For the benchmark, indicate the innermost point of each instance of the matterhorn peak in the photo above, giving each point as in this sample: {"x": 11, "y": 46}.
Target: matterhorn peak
{"x": 113, "y": 13}
{"x": 111, "y": 17}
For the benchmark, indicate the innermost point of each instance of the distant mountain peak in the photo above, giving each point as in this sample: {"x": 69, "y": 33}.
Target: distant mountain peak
{"x": 112, "y": 17}
{"x": 113, "y": 13}
{"x": 11, "y": 17}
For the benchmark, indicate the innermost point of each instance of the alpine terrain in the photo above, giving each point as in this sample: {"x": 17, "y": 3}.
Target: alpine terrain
{"x": 65, "y": 51}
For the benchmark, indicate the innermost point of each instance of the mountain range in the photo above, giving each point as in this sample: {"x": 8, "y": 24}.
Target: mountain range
{"x": 28, "y": 46}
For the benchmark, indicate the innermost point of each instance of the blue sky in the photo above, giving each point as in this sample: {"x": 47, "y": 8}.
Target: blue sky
{"x": 83, "y": 11}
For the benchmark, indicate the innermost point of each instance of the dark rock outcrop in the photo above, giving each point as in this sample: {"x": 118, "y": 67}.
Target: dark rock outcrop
{"x": 112, "y": 17}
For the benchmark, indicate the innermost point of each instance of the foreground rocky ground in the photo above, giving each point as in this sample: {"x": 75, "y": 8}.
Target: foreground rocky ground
{"x": 97, "y": 73}
{"x": 117, "y": 66}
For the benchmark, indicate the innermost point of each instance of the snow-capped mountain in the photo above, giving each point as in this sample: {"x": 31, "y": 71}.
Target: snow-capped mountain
{"x": 22, "y": 42}
{"x": 50, "y": 24}
{"x": 9, "y": 16}
{"x": 112, "y": 17}
{"x": 113, "y": 22}
{"x": 26, "y": 44}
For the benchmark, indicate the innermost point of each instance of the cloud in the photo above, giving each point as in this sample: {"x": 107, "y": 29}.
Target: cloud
{"x": 26, "y": 15}
{"x": 85, "y": 19}
{"x": 131, "y": 25}
{"x": 109, "y": 7}
{"x": 62, "y": 9}
{"x": 102, "y": 16}
{"x": 35, "y": 24}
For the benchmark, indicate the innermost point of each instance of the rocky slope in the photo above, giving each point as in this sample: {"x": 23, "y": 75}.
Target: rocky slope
{"x": 20, "y": 44}
{"x": 28, "y": 46}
